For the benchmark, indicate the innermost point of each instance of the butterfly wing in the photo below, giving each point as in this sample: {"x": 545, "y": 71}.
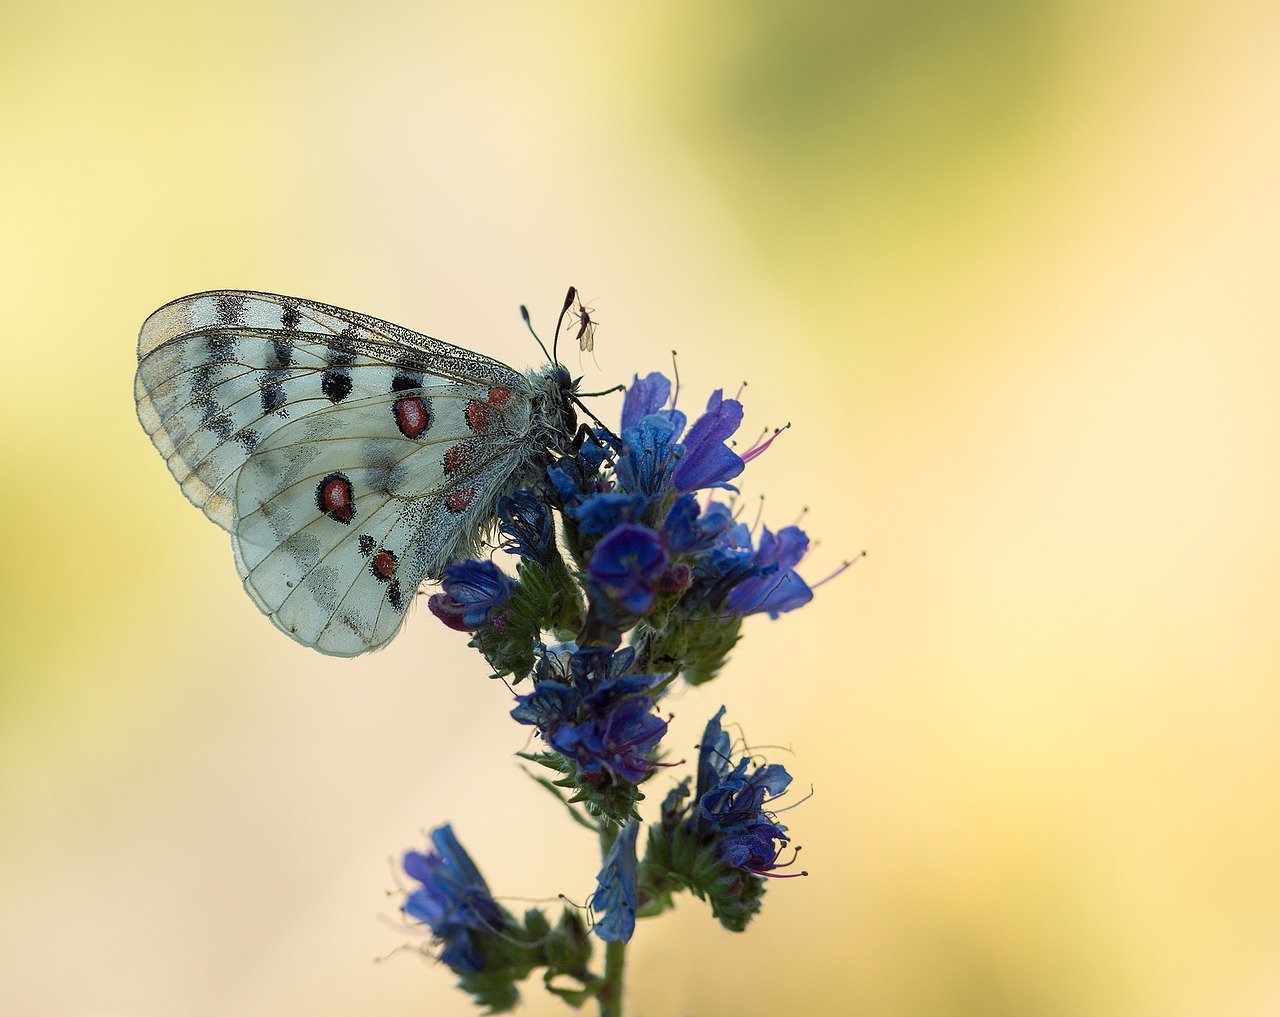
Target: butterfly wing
{"x": 339, "y": 515}
{"x": 350, "y": 458}
{"x": 219, "y": 372}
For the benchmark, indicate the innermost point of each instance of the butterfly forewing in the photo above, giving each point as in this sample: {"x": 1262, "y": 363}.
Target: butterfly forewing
{"x": 349, "y": 457}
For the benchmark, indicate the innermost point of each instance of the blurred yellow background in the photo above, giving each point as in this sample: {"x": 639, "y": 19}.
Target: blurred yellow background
{"x": 1008, "y": 268}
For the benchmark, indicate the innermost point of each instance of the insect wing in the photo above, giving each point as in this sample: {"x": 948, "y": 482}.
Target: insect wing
{"x": 219, "y": 372}
{"x": 349, "y": 457}
{"x": 340, "y": 515}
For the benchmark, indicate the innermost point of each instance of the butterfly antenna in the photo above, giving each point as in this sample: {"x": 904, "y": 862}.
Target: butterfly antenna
{"x": 524, "y": 313}
{"x": 569, "y": 298}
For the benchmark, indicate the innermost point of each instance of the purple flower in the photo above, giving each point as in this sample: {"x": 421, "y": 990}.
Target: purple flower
{"x": 615, "y": 896}
{"x": 472, "y": 591}
{"x": 645, "y": 396}
{"x": 526, "y": 523}
{"x": 731, "y": 803}
{"x": 707, "y": 460}
{"x": 625, "y": 565}
{"x": 648, "y": 457}
{"x": 453, "y": 900}
{"x": 776, "y": 587}
{"x": 687, "y": 531}
{"x": 617, "y": 733}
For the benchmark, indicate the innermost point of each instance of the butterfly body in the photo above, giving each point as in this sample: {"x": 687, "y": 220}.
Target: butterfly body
{"x": 349, "y": 458}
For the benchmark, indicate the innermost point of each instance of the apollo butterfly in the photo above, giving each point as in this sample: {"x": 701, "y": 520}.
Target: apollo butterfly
{"x": 350, "y": 459}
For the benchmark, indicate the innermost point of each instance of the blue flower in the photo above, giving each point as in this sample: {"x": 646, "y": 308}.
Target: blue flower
{"x": 576, "y": 477}
{"x": 707, "y": 460}
{"x": 616, "y": 732}
{"x": 592, "y": 666}
{"x": 600, "y": 513}
{"x": 625, "y": 565}
{"x": 688, "y": 531}
{"x": 731, "y": 803}
{"x": 648, "y": 457}
{"x": 738, "y": 797}
{"x": 473, "y": 590}
{"x": 550, "y": 704}
{"x": 645, "y": 396}
{"x": 453, "y": 900}
{"x": 776, "y": 587}
{"x": 713, "y": 755}
{"x": 526, "y": 523}
{"x": 615, "y": 896}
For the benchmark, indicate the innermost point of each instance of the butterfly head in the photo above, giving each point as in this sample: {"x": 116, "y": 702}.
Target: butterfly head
{"x": 554, "y": 405}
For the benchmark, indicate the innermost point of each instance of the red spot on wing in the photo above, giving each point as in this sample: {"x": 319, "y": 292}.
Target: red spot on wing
{"x": 383, "y": 565}
{"x": 335, "y": 498}
{"x": 412, "y": 416}
{"x": 499, "y": 396}
{"x": 479, "y": 416}
{"x": 456, "y": 457}
{"x": 459, "y": 498}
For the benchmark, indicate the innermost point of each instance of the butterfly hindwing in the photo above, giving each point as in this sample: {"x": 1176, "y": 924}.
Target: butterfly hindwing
{"x": 341, "y": 514}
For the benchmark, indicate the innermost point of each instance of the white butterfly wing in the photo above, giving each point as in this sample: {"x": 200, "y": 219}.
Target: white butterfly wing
{"x": 339, "y": 515}
{"x": 349, "y": 457}
{"x": 219, "y": 372}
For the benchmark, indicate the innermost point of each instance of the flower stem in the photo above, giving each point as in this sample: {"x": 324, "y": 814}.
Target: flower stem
{"x": 610, "y": 996}
{"x": 615, "y": 954}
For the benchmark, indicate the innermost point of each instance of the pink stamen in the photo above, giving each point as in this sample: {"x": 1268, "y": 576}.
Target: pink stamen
{"x": 842, "y": 568}
{"x": 773, "y": 874}
{"x": 760, "y": 445}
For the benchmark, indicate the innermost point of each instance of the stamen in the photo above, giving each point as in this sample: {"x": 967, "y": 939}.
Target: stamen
{"x": 759, "y": 447}
{"x": 842, "y": 568}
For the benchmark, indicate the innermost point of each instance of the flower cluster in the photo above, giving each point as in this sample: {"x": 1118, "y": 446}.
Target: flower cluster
{"x": 646, "y": 578}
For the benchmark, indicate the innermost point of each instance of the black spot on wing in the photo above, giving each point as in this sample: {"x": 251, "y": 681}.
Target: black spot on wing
{"x": 272, "y": 391}
{"x": 335, "y": 383}
{"x": 221, "y": 425}
{"x": 281, "y": 355}
{"x": 220, "y": 348}
{"x": 229, "y": 308}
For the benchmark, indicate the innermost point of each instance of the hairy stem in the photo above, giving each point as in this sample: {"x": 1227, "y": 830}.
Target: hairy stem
{"x": 610, "y": 996}
{"x": 615, "y": 954}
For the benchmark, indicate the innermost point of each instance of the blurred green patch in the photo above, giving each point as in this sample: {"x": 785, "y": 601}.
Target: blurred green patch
{"x": 860, "y": 134}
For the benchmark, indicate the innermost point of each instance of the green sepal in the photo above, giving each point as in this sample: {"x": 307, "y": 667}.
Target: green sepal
{"x": 511, "y": 955}
{"x": 542, "y": 598}
{"x": 696, "y": 645}
{"x": 603, "y": 795}
{"x": 680, "y": 858}
{"x": 567, "y": 953}
{"x": 508, "y": 956}
{"x": 564, "y": 800}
